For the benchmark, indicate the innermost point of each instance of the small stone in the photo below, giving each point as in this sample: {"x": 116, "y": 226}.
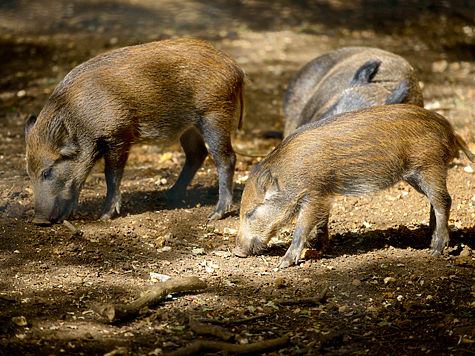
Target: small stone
{"x": 439, "y": 66}
{"x": 157, "y": 277}
{"x": 310, "y": 254}
{"x": 468, "y": 169}
{"x": 374, "y": 311}
{"x": 388, "y": 295}
{"x": 20, "y": 320}
{"x": 343, "y": 309}
{"x": 164, "y": 249}
{"x": 228, "y": 230}
{"x": 466, "y": 252}
{"x": 356, "y": 282}
{"x": 465, "y": 261}
{"x": 389, "y": 280}
{"x": 280, "y": 282}
{"x": 198, "y": 251}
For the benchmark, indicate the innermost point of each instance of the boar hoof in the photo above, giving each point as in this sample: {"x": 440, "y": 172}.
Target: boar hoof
{"x": 438, "y": 247}
{"x": 284, "y": 263}
{"x": 105, "y": 216}
{"x": 41, "y": 222}
{"x": 215, "y": 216}
{"x": 239, "y": 253}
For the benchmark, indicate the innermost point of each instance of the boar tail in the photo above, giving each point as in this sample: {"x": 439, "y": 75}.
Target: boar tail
{"x": 241, "y": 114}
{"x": 463, "y": 146}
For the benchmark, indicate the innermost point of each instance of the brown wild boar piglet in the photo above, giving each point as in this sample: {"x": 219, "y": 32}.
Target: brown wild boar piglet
{"x": 346, "y": 79}
{"x": 354, "y": 153}
{"x": 161, "y": 91}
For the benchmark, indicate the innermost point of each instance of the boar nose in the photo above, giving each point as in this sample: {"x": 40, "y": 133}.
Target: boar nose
{"x": 40, "y": 221}
{"x": 239, "y": 252}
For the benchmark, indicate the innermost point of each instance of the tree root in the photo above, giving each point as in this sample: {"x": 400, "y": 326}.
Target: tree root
{"x": 215, "y": 330}
{"x": 156, "y": 294}
{"x": 217, "y": 346}
{"x": 233, "y": 322}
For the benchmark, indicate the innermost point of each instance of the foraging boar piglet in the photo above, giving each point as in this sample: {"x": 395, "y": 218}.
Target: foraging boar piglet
{"x": 347, "y": 79}
{"x": 161, "y": 91}
{"x": 353, "y": 153}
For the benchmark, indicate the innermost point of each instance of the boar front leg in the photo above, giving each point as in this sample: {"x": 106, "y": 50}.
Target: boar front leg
{"x": 310, "y": 215}
{"x": 195, "y": 151}
{"x": 114, "y": 169}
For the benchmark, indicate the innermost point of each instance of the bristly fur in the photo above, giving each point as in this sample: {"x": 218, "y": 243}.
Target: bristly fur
{"x": 353, "y": 153}
{"x": 179, "y": 89}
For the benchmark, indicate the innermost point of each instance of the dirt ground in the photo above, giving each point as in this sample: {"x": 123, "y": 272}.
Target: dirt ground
{"x": 385, "y": 295}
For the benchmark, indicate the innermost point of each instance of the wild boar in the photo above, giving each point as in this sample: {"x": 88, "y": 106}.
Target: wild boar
{"x": 353, "y": 153}
{"x": 347, "y": 79}
{"x": 160, "y": 91}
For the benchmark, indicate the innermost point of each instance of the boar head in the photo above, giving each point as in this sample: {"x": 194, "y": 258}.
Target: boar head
{"x": 264, "y": 210}
{"x": 56, "y": 168}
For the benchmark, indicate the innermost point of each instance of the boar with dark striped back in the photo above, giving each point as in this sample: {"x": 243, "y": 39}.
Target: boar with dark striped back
{"x": 180, "y": 89}
{"x": 348, "y": 79}
{"x": 354, "y": 153}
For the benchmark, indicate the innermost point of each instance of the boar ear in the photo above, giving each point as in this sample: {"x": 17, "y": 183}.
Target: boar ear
{"x": 68, "y": 149}
{"x": 64, "y": 141}
{"x": 29, "y": 123}
{"x": 268, "y": 184}
{"x": 365, "y": 74}
{"x": 398, "y": 95}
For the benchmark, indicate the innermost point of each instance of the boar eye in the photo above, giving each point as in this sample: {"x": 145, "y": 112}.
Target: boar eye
{"x": 250, "y": 213}
{"x": 46, "y": 174}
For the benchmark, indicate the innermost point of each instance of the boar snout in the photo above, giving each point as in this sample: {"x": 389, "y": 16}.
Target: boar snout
{"x": 45, "y": 216}
{"x": 247, "y": 245}
{"x": 47, "y": 211}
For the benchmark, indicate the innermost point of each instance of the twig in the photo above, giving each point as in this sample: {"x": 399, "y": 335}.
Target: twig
{"x": 215, "y": 330}
{"x": 180, "y": 242}
{"x": 309, "y": 300}
{"x": 72, "y": 228}
{"x": 217, "y": 346}
{"x": 232, "y": 322}
{"x": 156, "y": 294}
{"x": 264, "y": 259}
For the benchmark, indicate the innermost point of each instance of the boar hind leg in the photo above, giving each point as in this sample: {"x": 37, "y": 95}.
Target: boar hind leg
{"x": 433, "y": 185}
{"x": 114, "y": 169}
{"x": 220, "y": 148}
{"x": 309, "y": 217}
{"x": 195, "y": 152}
{"x": 322, "y": 240}
{"x": 440, "y": 210}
